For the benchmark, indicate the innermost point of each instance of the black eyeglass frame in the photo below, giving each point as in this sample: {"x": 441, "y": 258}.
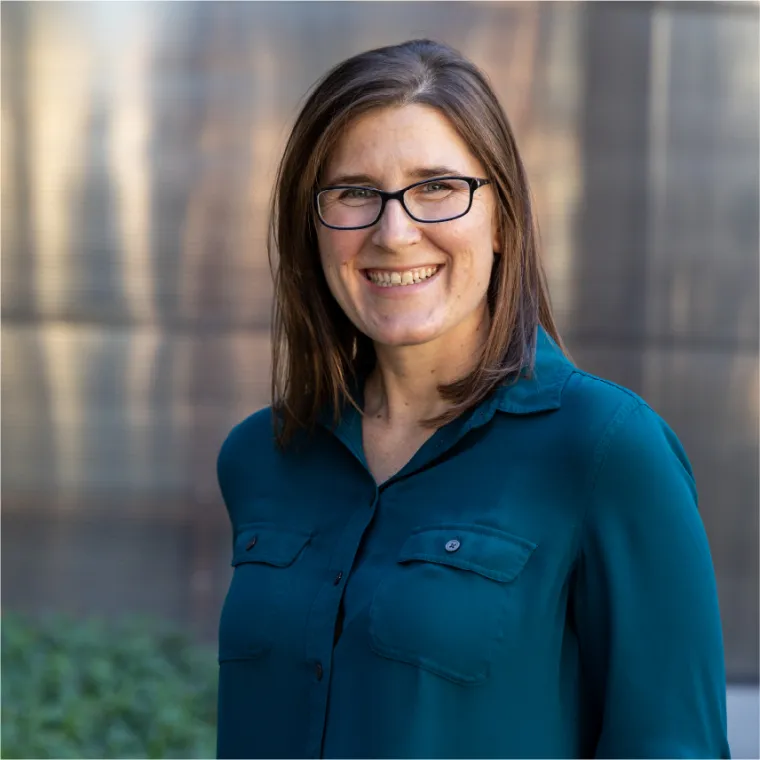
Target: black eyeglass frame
{"x": 398, "y": 195}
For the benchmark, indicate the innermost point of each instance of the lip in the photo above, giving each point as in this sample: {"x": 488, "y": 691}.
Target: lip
{"x": 399, "y": 291}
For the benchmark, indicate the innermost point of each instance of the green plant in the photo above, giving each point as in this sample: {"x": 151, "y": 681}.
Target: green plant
{"x": 87, "y": 689}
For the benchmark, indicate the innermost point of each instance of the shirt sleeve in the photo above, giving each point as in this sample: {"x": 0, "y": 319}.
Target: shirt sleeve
{"x": 645, "y": 601}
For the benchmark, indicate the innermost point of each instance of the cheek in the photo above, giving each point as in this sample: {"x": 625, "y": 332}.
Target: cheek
{"x": 336, "y": 249}
{"x": 471, "y": 251}
{"x": 475, "y": 230}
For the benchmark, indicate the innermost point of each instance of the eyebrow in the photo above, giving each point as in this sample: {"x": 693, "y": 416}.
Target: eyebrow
{"x": 419, "y": 173}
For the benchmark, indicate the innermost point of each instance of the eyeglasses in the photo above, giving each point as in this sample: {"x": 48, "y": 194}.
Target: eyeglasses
{"x": 352, "y": 207}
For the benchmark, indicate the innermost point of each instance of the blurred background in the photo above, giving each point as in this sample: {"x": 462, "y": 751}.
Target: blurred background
{"x": 139, "y": 144}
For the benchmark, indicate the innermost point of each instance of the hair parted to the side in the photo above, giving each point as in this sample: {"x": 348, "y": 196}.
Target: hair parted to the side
{"x": 317, "y": 353}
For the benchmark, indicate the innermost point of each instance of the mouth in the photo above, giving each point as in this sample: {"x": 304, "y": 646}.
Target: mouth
{"x": 398, "y": 278}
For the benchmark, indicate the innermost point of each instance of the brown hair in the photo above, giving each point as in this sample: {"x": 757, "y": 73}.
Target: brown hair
{"x": 317, "y": 353}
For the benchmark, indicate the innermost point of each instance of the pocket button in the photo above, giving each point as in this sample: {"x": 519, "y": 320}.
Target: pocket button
{"x": 452, "y": 545}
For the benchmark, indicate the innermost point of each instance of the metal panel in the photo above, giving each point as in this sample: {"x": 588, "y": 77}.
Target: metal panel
{"x": 139, "y": 147}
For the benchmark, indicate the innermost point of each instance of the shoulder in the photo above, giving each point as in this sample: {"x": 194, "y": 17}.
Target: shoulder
{"x": 586, "y": 394}
{"x": 244, "y": 446}
{"x": 614, "y": 412}
{"x": 625, "y": 438}
{"x": 639, "y": 472}
{"x": 254, "y": 431}
{"x": 249, "y": 437}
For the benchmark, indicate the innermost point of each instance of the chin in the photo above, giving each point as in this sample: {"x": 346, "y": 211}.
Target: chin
{"x": 405, "y": 337}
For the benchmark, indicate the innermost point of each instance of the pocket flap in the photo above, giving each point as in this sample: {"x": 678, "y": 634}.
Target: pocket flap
{"x": 488, "y": 551}
{"x": 267, "y": 543}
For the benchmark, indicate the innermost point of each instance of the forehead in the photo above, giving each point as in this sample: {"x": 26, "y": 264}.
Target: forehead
{"x": 398, "y": 140}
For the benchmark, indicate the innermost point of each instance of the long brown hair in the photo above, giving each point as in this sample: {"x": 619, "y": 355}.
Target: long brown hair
{"x": 318, "y": 355}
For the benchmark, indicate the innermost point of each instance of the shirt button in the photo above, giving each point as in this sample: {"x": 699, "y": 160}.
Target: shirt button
{"x": 318, "y": 671}
{"x": 452, "y": 545}
{"x": 251, "y": 544}
{"x": 338, "y": 578}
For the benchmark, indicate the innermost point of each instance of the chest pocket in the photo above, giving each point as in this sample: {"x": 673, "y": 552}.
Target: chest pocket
{"x": 445, "y": 605}
{"x": 256, "y": 606}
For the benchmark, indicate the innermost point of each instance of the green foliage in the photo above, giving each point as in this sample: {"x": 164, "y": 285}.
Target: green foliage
{"x": 86, "y": 689}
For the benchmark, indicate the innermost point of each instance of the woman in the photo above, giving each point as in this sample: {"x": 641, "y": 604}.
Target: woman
{"x": 448, "y": 540}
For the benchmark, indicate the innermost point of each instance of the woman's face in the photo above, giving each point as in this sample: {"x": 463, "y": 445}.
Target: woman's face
{"x": 389, "y": 149}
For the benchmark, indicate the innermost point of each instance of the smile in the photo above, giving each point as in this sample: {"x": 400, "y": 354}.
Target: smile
{"x": 390, "y": 279}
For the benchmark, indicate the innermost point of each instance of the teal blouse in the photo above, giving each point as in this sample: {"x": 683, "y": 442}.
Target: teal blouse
{"x": 535, "y": 582}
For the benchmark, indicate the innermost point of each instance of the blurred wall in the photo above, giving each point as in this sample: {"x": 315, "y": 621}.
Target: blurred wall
{"x": 139, "y": 143}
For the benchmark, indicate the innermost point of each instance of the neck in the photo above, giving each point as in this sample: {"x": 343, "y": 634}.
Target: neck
{"x": 402, "y": 389}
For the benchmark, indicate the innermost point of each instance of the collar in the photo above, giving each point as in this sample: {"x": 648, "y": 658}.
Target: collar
{"x": 539, "y": 390}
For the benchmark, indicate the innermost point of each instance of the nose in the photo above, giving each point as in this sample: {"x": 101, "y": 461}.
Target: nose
{"x": 395, "y": 228}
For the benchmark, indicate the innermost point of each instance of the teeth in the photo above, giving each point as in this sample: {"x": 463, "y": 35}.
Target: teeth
{"x": 408, "y": 277}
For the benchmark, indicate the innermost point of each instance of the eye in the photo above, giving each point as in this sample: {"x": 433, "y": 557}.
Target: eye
{"x": 436, "y": 187}
{"x": 356, "y": 194}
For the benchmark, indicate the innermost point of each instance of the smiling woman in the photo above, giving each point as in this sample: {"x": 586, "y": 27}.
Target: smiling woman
{"x": 448, "y": 540}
